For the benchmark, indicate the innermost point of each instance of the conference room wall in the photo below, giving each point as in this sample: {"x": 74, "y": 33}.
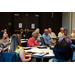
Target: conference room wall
{"x": 68, "y": 21}
{"x": 5, "y": 21}
{"x": 73, "y": 20}
{"x": 45, "y": 20}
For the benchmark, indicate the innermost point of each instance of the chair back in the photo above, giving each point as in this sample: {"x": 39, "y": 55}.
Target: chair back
{"x": 8, "y": 57}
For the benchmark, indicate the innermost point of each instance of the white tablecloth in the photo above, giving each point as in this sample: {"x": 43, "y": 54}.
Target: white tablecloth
{"x": 23, "y": 41}
{"x": 35, "y": 49}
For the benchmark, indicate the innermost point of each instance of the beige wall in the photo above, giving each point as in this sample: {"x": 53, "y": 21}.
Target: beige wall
{"x": 66, "y": 21}
{"x": 73, "y": 20}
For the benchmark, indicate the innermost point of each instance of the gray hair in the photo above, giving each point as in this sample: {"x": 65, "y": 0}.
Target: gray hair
{"x": 34, "y": 32}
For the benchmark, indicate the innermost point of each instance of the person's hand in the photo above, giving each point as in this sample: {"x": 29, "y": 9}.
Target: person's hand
{"x": 0, "y": 50}
{"x": 52, "y": 42}
{"x": 39, "y": 39}
{"x": 44, "y": 45}
{"x": 69, "y": 41}
{"x": 65, "y": 37}
{"x": 73, "y": 36}
{"x": 28, "y": 56}
{"x": 29, "y": 59}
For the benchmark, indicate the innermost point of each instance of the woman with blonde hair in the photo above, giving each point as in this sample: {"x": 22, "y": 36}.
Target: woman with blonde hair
{"x": 18, "y": 49}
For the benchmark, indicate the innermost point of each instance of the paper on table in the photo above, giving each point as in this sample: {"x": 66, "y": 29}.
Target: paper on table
{"x": 39, "y": 54}
{"x": 48, "y": 50}
{"x": 23, "y": 41}
{"x": 34, "y": 49}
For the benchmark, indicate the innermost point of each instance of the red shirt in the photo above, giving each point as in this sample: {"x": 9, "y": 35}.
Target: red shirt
{"x": 32, "y": 41}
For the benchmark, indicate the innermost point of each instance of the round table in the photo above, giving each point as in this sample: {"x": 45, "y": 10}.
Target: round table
{"x": 37, "y": 50}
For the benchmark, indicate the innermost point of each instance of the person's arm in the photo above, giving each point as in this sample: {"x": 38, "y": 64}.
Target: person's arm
{"x": 27, "y": 56}
{"x": 30, "y": 43}
{"x": 72, "y": 35}
{"x": 52, "y": 42}
{"x": 70, "y": 41}
{"x": 59, "y": 34}
{"x": 54, "y": 35}
{"x": 46, "y": 41}
{"x": 61, "y": 38}
{"x": 23, "y": 57}
{"x": 0, "y": 50}
{"x": 5, "y": 48}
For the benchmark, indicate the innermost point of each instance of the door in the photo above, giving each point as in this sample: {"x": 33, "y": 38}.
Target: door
{"x": 29, "y": 23}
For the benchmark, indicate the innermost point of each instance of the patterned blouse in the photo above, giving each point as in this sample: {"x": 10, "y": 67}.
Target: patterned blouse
{"x": 52, "y": 35}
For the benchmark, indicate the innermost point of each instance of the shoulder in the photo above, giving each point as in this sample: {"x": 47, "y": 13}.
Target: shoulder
{"x": 72, "y": 33}
{"x": 19, "y": 47}
{"x": 43, "y": 34}
{"x": 39, "y": 34}
{"x": 53, "y": 33}
{"x": 59, "y": 33}
{"x": 31, "y": 39}
{"x": 69, "y": 36}
{"x": 61, "y": 36}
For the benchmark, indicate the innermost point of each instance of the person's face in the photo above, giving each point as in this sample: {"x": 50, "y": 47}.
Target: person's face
{"x": 65, "y": 32}
{"x": 46, "y": 32}
{"x": 5, "y": 35}
{"x": 21, "y": 32}
{"x": 38, "y": 30}
{"x": 62, "y": 30}
{"x": 49, "y": 30}
{"x": 5, "y": 30}
{"x": 73, "y": 30}
{"x": 36, "y": 35}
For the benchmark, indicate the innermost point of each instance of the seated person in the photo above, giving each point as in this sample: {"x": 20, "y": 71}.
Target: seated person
{"x": 23, "y": 36}
{"x": 38, "y": 32}
{"x": 63, "y": 52}
{"x": 73, "y": 34}
{"x": 47, "y": 39}
{"x": 4, "y": 43}
{"x": 52, "y": 34}
{"x": 40, "y": 39}
{"x": 18, "y": 49}
{"x": 5, "y": 30}
{"x": 65, "y": 37}
{"x": 32, "y": 42}
{"x": 61, "y": 32}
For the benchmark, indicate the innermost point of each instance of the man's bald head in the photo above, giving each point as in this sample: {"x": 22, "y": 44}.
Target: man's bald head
{"x": 46, "y": 31}
{"x": 62, "y": 29}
